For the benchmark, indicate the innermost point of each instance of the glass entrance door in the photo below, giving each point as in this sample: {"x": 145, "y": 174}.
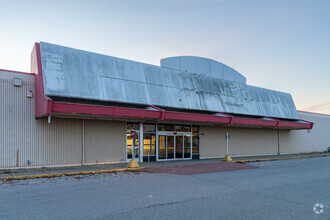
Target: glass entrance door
{"x": 178, "y": 146}
{"x": 174, "y": 147}
{"x": 170, "y": 146}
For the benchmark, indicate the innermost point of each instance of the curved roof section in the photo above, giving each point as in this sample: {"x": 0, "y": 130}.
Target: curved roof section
{"x": 71, "y": 73}
{"x": 203, "y": 66}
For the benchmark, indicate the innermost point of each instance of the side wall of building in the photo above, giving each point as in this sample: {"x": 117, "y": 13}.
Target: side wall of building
{"x": 249, "y": 141}
{"x": 243, "y": 141}
{"x": 303, "y": 141}
{"x": 25, "y": 140}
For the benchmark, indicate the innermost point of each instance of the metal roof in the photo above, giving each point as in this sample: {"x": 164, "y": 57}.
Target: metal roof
{"x": 72, "y": 73}
{"x": 203, "y": 67}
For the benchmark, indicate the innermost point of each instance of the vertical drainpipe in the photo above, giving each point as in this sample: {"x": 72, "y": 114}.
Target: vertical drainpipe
{"x": 83, "y": 142}
{"x": 141, "y": 142}
{"x": 278, "y": 142}
{"x": 17, "y": 158}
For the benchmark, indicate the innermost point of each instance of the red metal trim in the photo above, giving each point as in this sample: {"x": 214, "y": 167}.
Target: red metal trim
{"x": 277, "y": 121}
{"x": 162, "y": 112}
{"x": 72, "y": 108}
{"x": 290, "y": 124}
{"x": 39, "y": 72}
{"x": 311, "y": 123}
{"x": 43, "y": 104}
{"x": 252, "y": 121}
{"x": 196, "y": 117}
{"x": 13, "y": 71}
{"x": 249, "y": 121}
{"x": 231, "y": 121}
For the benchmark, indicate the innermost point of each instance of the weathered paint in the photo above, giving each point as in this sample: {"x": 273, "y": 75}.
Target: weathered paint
{"x": 79, "y": 74}
{"x": 203, "y": 66}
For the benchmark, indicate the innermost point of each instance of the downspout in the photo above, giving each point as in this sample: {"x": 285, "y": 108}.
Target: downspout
{"x": 162, "y": 112}
{"x": 83, "y": 142}
{"x": 141, "y": 143}
{"x": 231, "y": 118}
{"x": 278, "y": 142}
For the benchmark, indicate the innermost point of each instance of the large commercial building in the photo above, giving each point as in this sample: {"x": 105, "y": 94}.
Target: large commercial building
{"x": 78, "y": 107}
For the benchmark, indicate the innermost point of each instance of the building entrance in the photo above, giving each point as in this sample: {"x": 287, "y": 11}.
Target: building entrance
{"x": 161, "y": 142}
{"x": 174, "y": 146}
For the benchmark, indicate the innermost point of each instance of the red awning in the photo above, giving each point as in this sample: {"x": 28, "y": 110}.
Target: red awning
{"x": 156, "y": 113}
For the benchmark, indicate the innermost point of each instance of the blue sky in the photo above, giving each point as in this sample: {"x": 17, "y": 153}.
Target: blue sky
{"x": 281, "y": 45}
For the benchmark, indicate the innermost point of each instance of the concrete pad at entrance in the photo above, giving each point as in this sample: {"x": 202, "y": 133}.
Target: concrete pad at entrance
{"x": 191, "y": 169}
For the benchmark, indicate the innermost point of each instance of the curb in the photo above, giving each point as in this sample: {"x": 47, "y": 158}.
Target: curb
{"x": 51, "y": 175}
{"x": 280, "y": 158}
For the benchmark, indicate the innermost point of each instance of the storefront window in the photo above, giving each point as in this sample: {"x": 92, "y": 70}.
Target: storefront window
{"x": 174, "y": 141}
{"x": 132, "y": 146}
{"x": 195, "y": 144}
{"x": 149, "y": 144}
{"x": 178, "y": 128}
{"x": 149, "y": 128}
{"x": 183, "y": 128}
{"x": 164, "y": 127}
{"x": 133, "y": 126}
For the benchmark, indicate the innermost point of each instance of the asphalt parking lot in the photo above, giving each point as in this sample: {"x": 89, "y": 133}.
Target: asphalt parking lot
{"x": 285, "y": 189}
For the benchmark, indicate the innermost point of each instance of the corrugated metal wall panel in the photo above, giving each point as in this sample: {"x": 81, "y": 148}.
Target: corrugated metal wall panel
{"x": 59, "y": 142}
{"x": 105, "y": 141}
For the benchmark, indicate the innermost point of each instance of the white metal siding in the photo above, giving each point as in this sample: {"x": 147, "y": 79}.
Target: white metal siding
{"x": 305, "y": 141}
{"x": 105, "y": 141}
{"x": 37, "y": 141}
{"x": 243, "y": 141}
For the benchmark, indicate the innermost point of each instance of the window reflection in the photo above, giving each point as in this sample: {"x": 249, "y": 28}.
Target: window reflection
{"x": 149, "y": 144}
{"x": 170, "y": 146}
{"x": 149, "y": 128}
{"x": 164, "y": 127}
{"x": 133, "y": 126}
{"x": 195, "y": 144}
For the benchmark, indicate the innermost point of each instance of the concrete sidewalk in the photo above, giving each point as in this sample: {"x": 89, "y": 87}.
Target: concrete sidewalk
{"x": 46, "y": 172}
